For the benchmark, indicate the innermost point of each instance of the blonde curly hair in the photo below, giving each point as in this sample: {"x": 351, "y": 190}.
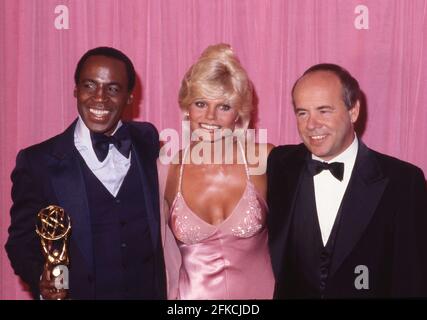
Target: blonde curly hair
{"x": 218, "y": 74}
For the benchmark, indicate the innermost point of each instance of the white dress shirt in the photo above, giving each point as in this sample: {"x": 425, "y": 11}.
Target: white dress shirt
{"x": 112, "y": 171}
{"x": 329, "y": 191}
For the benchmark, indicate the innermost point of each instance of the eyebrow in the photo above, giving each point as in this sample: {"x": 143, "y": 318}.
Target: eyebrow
{"x": 319, "y": 108}
{"x": 225, "y": 102}
{"x": 87, "y": 79}
{"x": 114, "y": 83}
{"x": 298, "y": 109}
{"x": 325, "y": 107}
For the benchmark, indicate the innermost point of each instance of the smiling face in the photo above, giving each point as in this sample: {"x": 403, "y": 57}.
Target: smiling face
{"x": 324, "y": 122}
{"x": 208, "y": 116}
{"x": 102, "y": 93}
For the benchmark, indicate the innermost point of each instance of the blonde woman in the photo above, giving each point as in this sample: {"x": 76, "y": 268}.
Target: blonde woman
{"x": 216, "y": 210}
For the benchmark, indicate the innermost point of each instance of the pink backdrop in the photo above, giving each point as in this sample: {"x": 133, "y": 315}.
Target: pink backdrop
{"x": 276, "y": 41}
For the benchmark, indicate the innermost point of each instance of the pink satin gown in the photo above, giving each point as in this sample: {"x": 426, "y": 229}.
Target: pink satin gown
{"x": 227, "y": 261}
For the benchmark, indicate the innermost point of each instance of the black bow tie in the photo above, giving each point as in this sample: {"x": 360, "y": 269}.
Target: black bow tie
{"x": 336, "y": 168}
{"x": 121, "y": 140}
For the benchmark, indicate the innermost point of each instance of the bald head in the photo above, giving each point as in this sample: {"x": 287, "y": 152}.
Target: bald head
{"x": 349, "y": 85}
{"x": 325, "y": 123}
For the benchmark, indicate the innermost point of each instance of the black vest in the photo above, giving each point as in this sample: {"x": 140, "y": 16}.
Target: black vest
{"x": 310, "y": 259}
{"x": 124, "y": 260}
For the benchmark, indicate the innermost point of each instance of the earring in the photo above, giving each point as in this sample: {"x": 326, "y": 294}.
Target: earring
{"x": 186, "y": 115}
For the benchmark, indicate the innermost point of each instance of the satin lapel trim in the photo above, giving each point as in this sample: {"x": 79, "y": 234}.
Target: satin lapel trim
{"x": 69, "y": 186}
{"x": 361, "y": 198}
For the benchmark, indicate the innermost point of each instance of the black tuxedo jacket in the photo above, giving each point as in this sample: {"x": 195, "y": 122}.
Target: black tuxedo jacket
{"x": 50, "y": 173}
{"x": 383, "y": 226}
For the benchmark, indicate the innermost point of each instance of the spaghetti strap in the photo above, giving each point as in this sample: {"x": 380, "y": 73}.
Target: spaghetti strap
{"x": 181, "y": 169}
{"x": 244, "y": 159}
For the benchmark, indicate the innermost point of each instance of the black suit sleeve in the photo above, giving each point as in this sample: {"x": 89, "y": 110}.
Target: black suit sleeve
{"x": 153, "y": 138}
{"x": 148, "y": 134}
{"x": 271, "y": 188}
{"x": 409, "y": 273}
{"x": 23, "y": 245}
{"x": 275, "y": 196}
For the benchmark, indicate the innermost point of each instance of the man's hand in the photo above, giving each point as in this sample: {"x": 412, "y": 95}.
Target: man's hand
{"x": 47, "y": 287}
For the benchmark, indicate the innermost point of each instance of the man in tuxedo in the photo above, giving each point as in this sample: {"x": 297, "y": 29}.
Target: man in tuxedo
{"x": 345, "y": 221}
{"x": 102, "y": 172}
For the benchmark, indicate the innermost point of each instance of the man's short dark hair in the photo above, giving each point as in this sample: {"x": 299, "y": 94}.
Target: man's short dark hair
{"x": 350, "y": 86}
{"x": 111, "y": 53}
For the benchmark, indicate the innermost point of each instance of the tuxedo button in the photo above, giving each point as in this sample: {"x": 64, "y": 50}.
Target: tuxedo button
{"x": 124, "y": 245}
{"x": 122, "y": 223}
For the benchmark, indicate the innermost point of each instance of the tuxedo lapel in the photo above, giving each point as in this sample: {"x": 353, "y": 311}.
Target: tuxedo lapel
{"x": 70, "y": 190}
{"x": 146, "y": 162}
{"x": 360, "y": 200}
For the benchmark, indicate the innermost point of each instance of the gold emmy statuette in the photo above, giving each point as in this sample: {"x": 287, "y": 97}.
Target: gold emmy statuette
{"x": 54, "y": 226}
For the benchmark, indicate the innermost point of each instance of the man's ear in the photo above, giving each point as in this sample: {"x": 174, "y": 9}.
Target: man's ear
{"x": 75, "y": 92}
{"x": 354, "y": 112}
{"x": 130, "y": 99}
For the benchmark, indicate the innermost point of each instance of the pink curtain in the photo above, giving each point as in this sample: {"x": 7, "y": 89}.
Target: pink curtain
{"x": 276, "y": 41}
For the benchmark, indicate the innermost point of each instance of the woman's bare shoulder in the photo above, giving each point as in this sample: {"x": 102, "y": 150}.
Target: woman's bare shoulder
{"x": 257, "y": 161}
{"x": 263, "y": 147}
{"x": 173, "y": 176}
